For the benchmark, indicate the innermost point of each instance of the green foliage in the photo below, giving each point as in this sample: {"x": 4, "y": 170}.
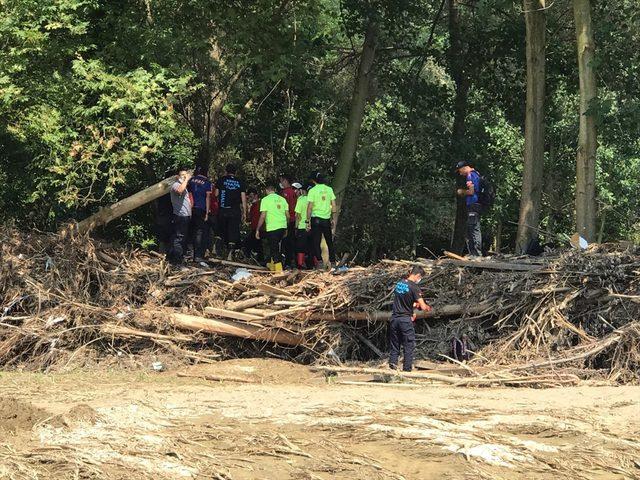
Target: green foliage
{"x": 99, "y": 99}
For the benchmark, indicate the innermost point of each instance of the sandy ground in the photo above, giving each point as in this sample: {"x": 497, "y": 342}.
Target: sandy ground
{"x": 296, "y": 425}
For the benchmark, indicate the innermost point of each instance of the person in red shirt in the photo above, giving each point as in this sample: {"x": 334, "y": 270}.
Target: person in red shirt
{"x": 215, "y": 243}
{"x": 289, "y": 242}
{"x": 253, "y": 246}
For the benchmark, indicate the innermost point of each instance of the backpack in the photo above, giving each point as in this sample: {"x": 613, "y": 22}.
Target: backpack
{"x": 487, "y": 193}
{"x": 459, "y": 349}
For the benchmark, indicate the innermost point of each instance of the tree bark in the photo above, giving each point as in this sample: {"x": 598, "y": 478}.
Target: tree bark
{"x": 107, "y": 214}
{"x": 236, "y": 329}
{"x": 587, "y": 139}
{"x": 531, "y": 197}
{"x": 356, "y": 114}
{"x": 461, "y": 79}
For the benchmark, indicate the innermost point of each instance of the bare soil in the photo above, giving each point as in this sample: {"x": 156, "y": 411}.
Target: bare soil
{"x": 294, "y": 424}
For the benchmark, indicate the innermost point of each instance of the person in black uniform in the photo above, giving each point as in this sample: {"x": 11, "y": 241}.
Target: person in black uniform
{"x": 407, "y": 296}
{"x": 232, "y": 208}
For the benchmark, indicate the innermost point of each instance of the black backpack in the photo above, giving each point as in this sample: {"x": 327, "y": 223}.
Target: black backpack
{"x": 487, "y": 193}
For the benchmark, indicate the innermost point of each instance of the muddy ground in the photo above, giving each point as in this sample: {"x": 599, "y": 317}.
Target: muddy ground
{"x": 294, "y": 424}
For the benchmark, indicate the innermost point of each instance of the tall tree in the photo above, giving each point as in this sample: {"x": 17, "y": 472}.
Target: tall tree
{"x": 356, "y": 114}
{"x": 535, "y": 20}
{"x": 587, "y": 139}
{"x": 457, "y": 61}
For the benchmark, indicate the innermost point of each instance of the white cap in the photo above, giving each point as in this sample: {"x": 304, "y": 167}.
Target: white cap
{"x": 296, "y": 185}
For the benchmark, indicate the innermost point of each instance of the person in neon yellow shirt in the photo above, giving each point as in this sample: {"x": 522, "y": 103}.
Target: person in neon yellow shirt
{"x": 273, "y": 214}
{"x": 303, "y": 240}
{"x": 320, "y": 208}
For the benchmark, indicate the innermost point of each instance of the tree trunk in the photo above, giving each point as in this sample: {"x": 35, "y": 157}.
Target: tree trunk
{"x": 587, "y": 139}
{"x": 231, "y": 328}
{"x": 358, "y": 101}
{"x": 530, "y": 200}
{"x": 463, "y": 84}
{"x": 107, "y": 214}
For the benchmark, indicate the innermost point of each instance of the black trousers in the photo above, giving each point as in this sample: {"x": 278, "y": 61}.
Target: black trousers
{"x": 178, "y": 239}
{"x": 401, "y": 333}
{"x": 164, "y": 233}
{"x": 253, "y": 245}
{"x": 474, "y": 235}
{"x": 200, "y": 229}
{"x": 303, "y": 241}
{"x": 289, "y": 244}
{"x": 214, "y": 235}
{"x": 322, "y": 227}
{"x": 275, "y": 239}
{"x": 229, "y": 220}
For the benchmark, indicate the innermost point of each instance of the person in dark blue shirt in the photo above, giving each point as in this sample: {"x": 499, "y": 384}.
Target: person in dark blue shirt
{"x": 232, "y": 209}
{"x": 407, "y": 296}
{"x": 201, "y": 190}
{"x": 470, "y": 192}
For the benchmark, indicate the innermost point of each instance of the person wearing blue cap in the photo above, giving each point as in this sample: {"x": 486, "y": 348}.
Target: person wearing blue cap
{"x": 474, "y": 208}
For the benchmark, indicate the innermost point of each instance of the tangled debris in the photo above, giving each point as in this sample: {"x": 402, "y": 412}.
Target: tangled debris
{"x": 553, "y": 320}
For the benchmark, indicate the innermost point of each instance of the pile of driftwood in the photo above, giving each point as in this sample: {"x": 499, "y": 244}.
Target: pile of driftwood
{"x": 547, "y": 320}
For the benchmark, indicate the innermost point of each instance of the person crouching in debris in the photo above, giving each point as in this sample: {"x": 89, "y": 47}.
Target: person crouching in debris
{"x": 273, "y": 213}
{"x": 407, "y": 295}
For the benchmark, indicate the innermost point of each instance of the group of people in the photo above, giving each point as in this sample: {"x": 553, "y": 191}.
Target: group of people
{"x": 293, "y": 218}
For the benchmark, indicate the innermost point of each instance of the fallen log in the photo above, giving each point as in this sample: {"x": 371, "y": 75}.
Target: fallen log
{"x": 491, "y": 265}
{"x": 217, "y": 378}
{"x": 457, "y": 381}
{"x": 120, "y": 331}
{"x": 455, "y": 256}
{"x": 382, "y": 371}
{"x": 382, "y": 384}
{"x": 244, "y": 304}
{"x": 107, "y": 214}
{"x": 235, "y": 329}
{"x": 382, "y": 316}
{"x": 219, "y": 312}
{"x": 584, "y": 352}
{"x": 237, "y": 264}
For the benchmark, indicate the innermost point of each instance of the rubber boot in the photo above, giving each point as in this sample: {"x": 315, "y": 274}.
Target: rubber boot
{"x": 277, "y": 268}
{"x": 271, "y": 266}
{"x": 301, "y": 260}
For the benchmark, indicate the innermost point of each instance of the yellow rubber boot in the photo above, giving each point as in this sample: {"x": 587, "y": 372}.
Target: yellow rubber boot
{"x": 277, "y": 267}
{"x": 271, "y": 266}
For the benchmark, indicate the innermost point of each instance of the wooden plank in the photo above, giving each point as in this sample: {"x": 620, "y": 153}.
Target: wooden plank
{"x": 235, "y": 329}
{"x": 271, "y": 290}
{"x": 219, "y": 312}
{"x": 260, "y": 312}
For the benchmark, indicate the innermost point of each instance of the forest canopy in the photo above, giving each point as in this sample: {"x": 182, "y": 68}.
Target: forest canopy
{"x": 99, "y": 99}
